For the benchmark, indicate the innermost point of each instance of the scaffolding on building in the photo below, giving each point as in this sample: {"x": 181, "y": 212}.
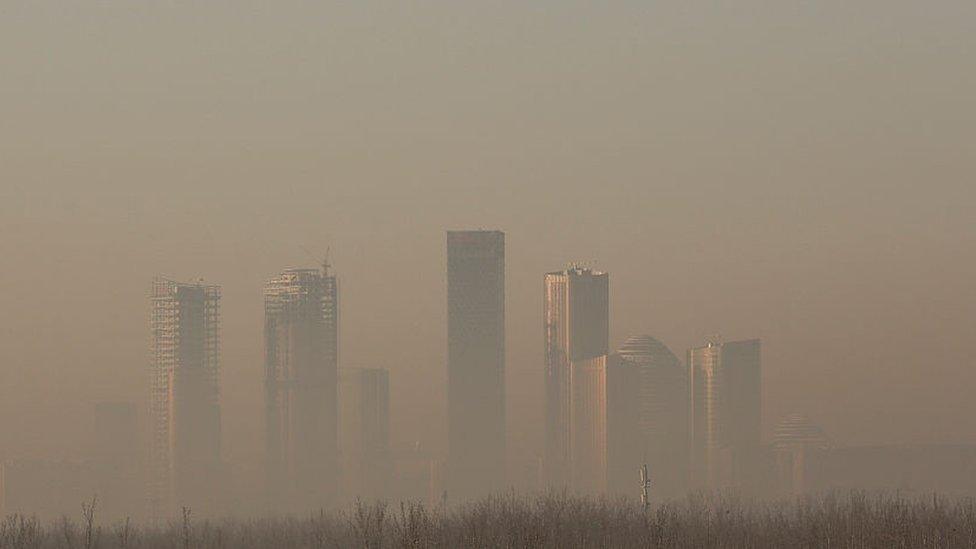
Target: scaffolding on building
{"x": 301, "y": 361}
{"x": 184, "y": 338}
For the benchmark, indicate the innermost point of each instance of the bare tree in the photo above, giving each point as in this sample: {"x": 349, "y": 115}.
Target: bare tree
{"x": 122, "y": 532}
{"x": 88, "y": 514}
{"x": 186, "y": 528}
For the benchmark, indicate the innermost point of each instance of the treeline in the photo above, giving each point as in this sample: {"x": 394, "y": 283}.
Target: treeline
{"x": 552, "y": 521}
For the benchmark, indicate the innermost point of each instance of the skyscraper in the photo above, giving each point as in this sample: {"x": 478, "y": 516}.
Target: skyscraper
{"x": 184, "y": 395}
{"x": 576, "y": 326}
{"x": 475, "y": 361}
{"x": 726, "y": 405}
{"x": 364, "y": 432}
{"x": 301, "y": 368}
{"x": 651, "y": 402}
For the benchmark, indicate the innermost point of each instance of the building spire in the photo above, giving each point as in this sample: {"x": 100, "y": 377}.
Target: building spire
{"x": 326, "y": 261}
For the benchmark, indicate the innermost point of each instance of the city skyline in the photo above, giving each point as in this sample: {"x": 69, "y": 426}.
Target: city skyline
{"x": 329, "y": 441}
{"x": 282, "y": 260}
{"x": 328, "y": 434}
{"x": 815, "y": 194}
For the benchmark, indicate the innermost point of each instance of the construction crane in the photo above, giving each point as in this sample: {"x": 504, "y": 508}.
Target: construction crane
{"x": 326, "y": 264}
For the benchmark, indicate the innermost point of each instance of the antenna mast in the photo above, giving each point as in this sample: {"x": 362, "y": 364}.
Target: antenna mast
{"x": 326, "y": 264}
{"x": 645, "y": 484}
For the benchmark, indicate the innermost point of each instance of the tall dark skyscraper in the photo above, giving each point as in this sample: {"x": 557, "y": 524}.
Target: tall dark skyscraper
{"x": 476, "y": 361}
{"x": 184, "y": 395}
{"x": 725, "y": 382}
{"x": 301, "y": 328}
{"x": 576, "y": 325}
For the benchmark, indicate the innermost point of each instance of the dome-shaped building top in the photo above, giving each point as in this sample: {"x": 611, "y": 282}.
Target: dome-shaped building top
{"x": 646, "y": 349}
{"x": 652, "y": 412}
{"x": 796, "y": 430}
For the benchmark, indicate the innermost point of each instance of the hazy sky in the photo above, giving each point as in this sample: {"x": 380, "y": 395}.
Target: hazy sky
{"x": 801, "y": 172}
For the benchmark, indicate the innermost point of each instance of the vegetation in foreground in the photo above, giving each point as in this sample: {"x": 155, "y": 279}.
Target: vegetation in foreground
{"x": 557, "y": 521}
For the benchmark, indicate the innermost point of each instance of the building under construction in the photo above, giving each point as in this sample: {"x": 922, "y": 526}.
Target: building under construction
{"x": 184, "y": 396}
{"x": 301, "y": 332}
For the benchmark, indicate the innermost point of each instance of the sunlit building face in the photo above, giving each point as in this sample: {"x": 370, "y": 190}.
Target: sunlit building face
{"x": 576, "y": 326}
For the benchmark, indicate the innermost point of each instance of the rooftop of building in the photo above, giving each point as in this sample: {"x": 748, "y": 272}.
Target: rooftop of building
{"x": 645, "y": 346}
{"x": 797, "y": 429}
{"x": 302, "y": 270}
{"x": 578, "y": 269}
{"x": 716, "y": 341}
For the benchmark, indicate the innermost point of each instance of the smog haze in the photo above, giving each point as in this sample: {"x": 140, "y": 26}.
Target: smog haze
{"x": 799, "y": 172}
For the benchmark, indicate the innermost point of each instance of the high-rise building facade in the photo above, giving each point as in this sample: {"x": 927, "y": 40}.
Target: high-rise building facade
{"x": 475, "y": 362}
{"x": 301, "y": 329}
{"x": 184, "y": 395}
{"x": 648, "y": 412}
{"x": 364, "y": 432}
{"x": 576, "y": 317}
{"x": 725, "y": 384}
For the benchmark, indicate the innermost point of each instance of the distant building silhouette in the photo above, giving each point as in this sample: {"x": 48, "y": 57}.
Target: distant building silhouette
{"x": 576, "y": 327}
{"x": 301, "y": 396}
{"x": 799, "y": 451}
{"x": 648, "y": 416}
{"x": 725, "y": 382}
{"x": 184, "y": 395}
{"x": 364, "y": 432}
{"x": 475, "y": 362}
